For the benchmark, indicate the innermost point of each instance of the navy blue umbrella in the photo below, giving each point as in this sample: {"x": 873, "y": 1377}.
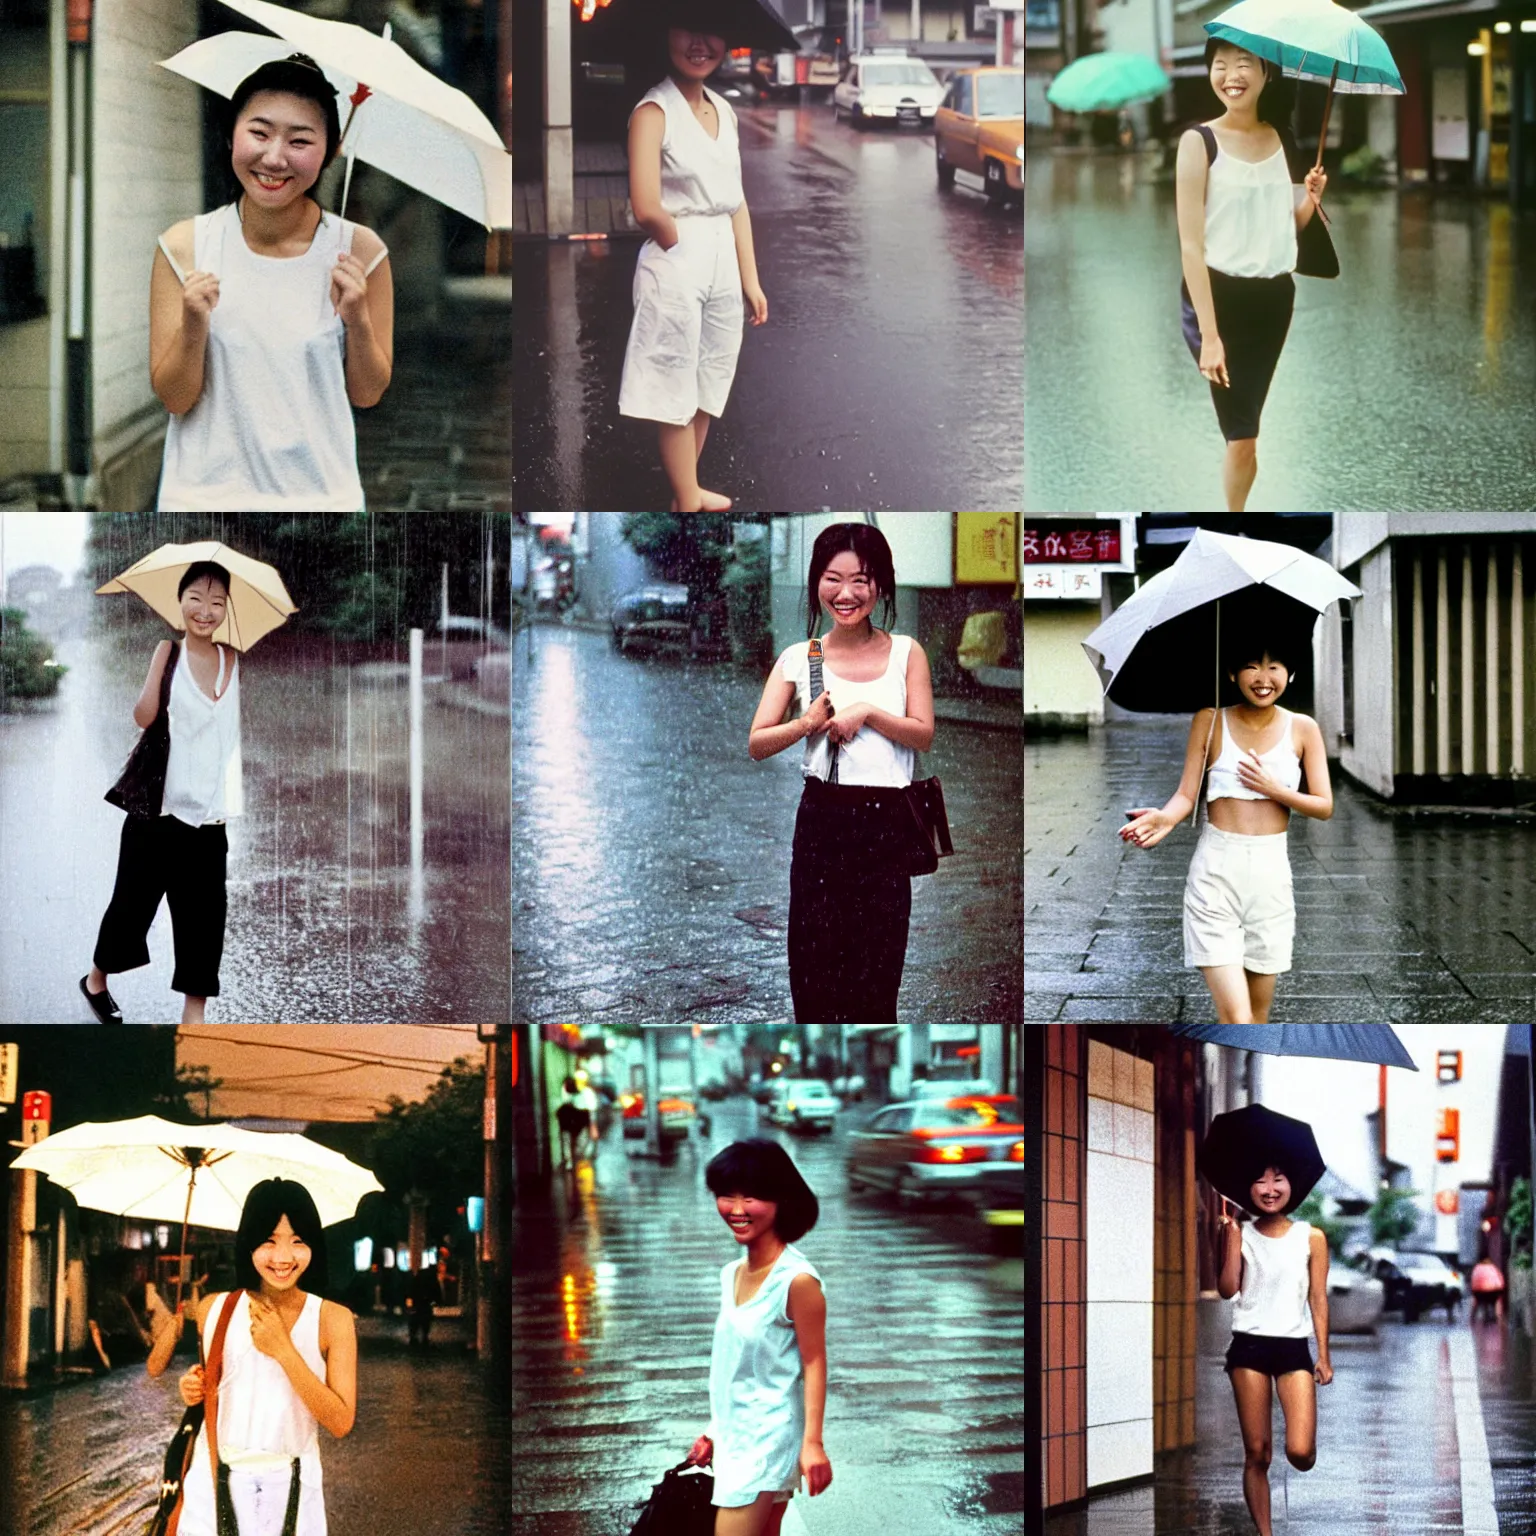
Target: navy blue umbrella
{"x": 1240, "y": 1145}
{"x": 1337, "y": 1042}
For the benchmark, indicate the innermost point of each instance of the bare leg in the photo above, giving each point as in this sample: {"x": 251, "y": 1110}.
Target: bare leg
{"x": 192, "y": 1010}
{"x": 680, "y": 447}
{"x": 1261, "y": 993}
{"x": 1298, "y": 1399}
{"x": 1251, "y": 1389}
{"x": 700, "y": 432}
{"x": 96, "y": 981}
{"x": 1237, "y": 471}
{"x": 1229, "y": 991}
{"x": 751, "y": 1520}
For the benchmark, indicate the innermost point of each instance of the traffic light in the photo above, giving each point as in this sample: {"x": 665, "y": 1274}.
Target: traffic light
{"x": 1448, "y": 1136}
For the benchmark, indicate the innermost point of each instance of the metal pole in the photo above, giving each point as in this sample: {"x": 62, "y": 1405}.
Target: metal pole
{"x": 186, "y": 1217}
{"x": 559, "y": 145}
{"x": 442, "y": 665}
{"x": 652, "y": 1048}
{"x": 18, "y": 1256}
{"x": 417, "y": 892}
{"x": 1034, "y": 1207}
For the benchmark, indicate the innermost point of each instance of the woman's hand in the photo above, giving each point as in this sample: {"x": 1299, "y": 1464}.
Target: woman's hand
{"x": 1251, "y": 775}
{"x": 1322, "y": 1372}
{"x": 757, "y": 302}
{"x": 1213, "y": 360}
{"x": 269, "y": 1333}
{"x": 191, "y": 1385}
{"x": 1231, "y": 1232}
{"x": 703, "y": 1451}
{"x": 199, "y": 299}
{"x": 1316, "y": 183}
{"x": 819, "y": 716}
{"x": 815, "y": 1468}
{"x": 349, "y": 289}
{"x": 848, "y": 724}
{"x": 1148, "y": 829}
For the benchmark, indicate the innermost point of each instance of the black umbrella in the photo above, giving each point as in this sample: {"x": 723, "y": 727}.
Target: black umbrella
{"x": 1240, "y": 1145}
{"x": 1337, "y": 1042}
{"x": 742, "y": 23}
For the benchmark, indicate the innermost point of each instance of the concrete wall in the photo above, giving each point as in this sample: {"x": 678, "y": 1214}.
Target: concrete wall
{"x": 1059, "y": 681}
{"x": 1371, "y": 756}
{"x": 1355, "y": 534}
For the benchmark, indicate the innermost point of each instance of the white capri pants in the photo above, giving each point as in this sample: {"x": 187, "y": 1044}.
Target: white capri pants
{"x": 260, "y": 1498}
{"x": 686, "y": 335}
{"x": 1238, "y": 904}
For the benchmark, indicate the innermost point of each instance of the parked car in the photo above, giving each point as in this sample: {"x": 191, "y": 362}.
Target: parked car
{"x": 678, "y": 1115}
{"x": 762, "y": 1088}
{"x": 665, "y": 616}
{"x": 928, "y": 1148}
{"x": 979, "y": 128}
{"x": 886, "y": 87}
{"x": 1415, "y": 1282}
{"x": 1355, "y": 1301}
{"x": 850, "y": 1087}
{"x": 803, "y": 1104}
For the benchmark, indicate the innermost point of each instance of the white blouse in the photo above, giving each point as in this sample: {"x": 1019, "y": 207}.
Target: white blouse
{"x": 204, "y": 778}
{"x": 869, "y": 758}
{"x": 699, "y": 175}
{"x": 1250, "y": 216}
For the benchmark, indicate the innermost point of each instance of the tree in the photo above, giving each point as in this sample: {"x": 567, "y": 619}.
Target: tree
{"x": 27, "y": 667}
{"x": 1394, "y": 1216}
{"x": 433, "y": 1150}
{"x": 688, "y": 547}
{"x": 1517, "y": 1224}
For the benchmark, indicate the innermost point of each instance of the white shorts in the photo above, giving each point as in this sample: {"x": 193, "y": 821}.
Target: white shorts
{"x": 686, "y": 335}
{"x": 1238, "y": 906}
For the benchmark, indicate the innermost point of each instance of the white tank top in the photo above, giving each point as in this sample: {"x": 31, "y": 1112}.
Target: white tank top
{"x": 869, "y": 758}
{"x": 1281, "y": 763}
{"x": 1250, "y": 216}
{"x": 1273, "y": 1300}
{"x": 272, "y": 430}
{"x": 699, "y": 175}
{"x": 263, "y": 1422}
{"x": 204, "y": 776}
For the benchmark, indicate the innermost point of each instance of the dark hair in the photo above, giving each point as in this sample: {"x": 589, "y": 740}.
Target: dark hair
{"x": 297, "y": 75}
{"x": 763, "y": 1168}
{"x": 1257, "y": 1171}
{"x": 570, "y": 1085}
{"x": 265, "y": 1206}
{"x": 1277, "y": 101}
{"x": 1245, "y": 648}
{"x": 868, "y": 543}
{"x": 650, "y": 55}
{"x": 197, "y": 571}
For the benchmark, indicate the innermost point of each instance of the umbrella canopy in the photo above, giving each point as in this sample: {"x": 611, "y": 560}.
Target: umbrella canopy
{"x": 1160, "y": 651}
{"x": 1312, "y": 40}
{"x": 405, "y": 121}
{"x": 258, "y": 600}
{"x": 742, "y": 23}
{"x": 1103, "y": 82}
{"x": 1240, "y": 1145}
{"x": 1336, "y": 1042}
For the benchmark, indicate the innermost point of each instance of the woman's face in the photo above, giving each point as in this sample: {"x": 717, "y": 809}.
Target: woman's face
{"x": 202, "y": 607}
{"x": 1271, "y": 1192}
{"x": 746, "y": 1215}
{"x": 694, "y": 55}
{"x": 283, "y": 1258}
{"x": 279, "y": 148}
{"x": 1237, "y": 77}
{"x": 847, "y": 591}
{"x": 1262, "y": 682}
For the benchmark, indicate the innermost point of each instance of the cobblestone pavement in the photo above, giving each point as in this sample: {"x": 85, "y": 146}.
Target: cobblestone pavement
{"x": 1403, "y": 916}
{"x": 651, "y": 854}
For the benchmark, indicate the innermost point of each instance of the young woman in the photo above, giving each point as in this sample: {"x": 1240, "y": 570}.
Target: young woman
{"x": 290, "y": 1366}
{"x": 1238, "y": 214}
{"x": 1239, "y": 914}
{"x": 181, "y": 853}
{"x": 768, "y": 1371}
{"x": 270, "y": 318}
{"x": 685, "y": 189}
{"x": 1278, "y": 1271}
{"x": 850, "y": 895}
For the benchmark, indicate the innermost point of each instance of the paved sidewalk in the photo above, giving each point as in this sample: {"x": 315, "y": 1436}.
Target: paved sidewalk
{"x": 1403, "y": 916}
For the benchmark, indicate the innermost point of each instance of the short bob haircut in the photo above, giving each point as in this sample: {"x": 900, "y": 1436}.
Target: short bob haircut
{"x": 763, "y": 1168}
{"x": 868, "y": 543}
{"x": 197, "y": 571}
{"x": 1255, "y": 1172}
{"x": 1277, "y": 101}
{"x": 265, "y": 1206}
{"x": 297, "y": 75}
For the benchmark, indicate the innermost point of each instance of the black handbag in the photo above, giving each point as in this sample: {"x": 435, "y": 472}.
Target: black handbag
{"x": 140, "y": 788}
{"x": 681, "y": 1504}
{"x": 178, "y": 1458}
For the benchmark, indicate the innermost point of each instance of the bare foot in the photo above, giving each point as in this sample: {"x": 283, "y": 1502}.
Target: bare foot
{"x": 713, "y": 501}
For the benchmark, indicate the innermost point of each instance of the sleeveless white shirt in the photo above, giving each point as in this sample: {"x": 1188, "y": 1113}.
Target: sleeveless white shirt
{"x": 869, "y": 758}
{"x": 1250, "y": 216}
{"x": 272, "y": 430}
{"x": 1273, "y": 1300}
{"x": 1281, "y": 763}
{"x": 699, "y": 175}
{"x": 204, "y": 776}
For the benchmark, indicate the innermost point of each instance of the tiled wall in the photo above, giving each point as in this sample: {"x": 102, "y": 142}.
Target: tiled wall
{"x": 1064, "y": 1266}
{"x": 1175, "y": 1277}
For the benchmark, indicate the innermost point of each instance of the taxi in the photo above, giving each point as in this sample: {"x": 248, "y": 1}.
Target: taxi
{"x": 979, "y": 129}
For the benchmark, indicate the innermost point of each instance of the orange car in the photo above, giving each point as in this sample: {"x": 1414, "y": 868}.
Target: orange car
{"x": 979, "y": 128}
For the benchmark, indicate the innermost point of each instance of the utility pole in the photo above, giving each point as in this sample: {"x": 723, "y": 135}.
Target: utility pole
{"x": 493, "y": 1312}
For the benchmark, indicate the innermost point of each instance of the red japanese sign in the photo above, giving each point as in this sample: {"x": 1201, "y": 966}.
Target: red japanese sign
{"x": 1093, "y": 543}
{"x": 37, "y": 1106}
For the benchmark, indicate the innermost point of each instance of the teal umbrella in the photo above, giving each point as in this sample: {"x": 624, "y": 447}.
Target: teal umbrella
{"x": 1104, "y": 82}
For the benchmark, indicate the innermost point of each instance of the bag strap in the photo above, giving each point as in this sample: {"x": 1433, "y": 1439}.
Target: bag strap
{"x": 211, "y": 1374}
{"x": 165, "y": 676}
{"x": 813, "y": 659}
{"x": 1204, "y": 130}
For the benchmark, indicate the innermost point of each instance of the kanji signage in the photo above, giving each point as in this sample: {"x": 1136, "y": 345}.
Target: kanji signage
{"x": 986, "y": 547}
{"x": 1085, "y": 543}
{"x": 1063, "y": 581}
{"x": 36, "y": 1116}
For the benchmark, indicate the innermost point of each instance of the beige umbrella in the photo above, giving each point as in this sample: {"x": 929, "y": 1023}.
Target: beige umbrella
{"x": 258, "y": 600}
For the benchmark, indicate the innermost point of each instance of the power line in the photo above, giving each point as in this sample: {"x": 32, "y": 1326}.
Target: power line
{"x": 390, "y": 1062}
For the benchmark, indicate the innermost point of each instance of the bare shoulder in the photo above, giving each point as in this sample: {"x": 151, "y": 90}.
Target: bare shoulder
{"x": 804, "y": 1289}
{"x": 365, "y": 243}
{"x": 205, "y": 1306}
{"x": 181, "y": 239}
{"x": 917, "y": 653}
{"x": 1318, "y": 1243}
{"x": 1309, "y": 729}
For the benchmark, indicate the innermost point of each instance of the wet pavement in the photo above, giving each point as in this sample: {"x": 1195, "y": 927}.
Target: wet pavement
{"x": 651, "y": 854}
{"x": 1402, "y": 916}
{"x": 1409, "y": 381}
{"x": 889, "y": 373}
{"x": 326, "y": 923}
{"x": 615, "y": 1294}
{"x": 428, "y": 1455}
{"x": 1389, "y": 1462}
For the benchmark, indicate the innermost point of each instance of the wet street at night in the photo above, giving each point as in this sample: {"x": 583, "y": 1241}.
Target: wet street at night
{"x": 326, "y": 920}
{"x": 615, "y": 1294}
{"x": 651, "y": 854}
{"x": 889, "y": 372}
{"x": 1410, "y": 381}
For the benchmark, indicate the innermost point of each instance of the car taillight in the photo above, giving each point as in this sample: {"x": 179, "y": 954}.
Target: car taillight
{"x": 1016, "y": 1152}
{"x": 952, "y": 1152}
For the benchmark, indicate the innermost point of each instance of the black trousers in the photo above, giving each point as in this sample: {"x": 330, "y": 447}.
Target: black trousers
{"x": 1253, "y": 317}
{"x": 160, "y": 856}
{"x": 850, "y": 899}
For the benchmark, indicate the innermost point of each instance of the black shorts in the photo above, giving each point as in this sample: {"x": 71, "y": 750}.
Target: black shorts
{"x": 1261, "y": 1352}
{"x": 1253, "y": 316}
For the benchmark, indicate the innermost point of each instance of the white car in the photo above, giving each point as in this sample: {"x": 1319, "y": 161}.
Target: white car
{"x": 953, "y": 1088}
{"x": 888, "y": 88}
{"x": 1355, "y": 1301}
{"x": 803, "y": 1103}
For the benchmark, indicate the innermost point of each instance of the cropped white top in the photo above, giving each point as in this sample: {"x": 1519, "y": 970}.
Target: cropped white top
{"x": 1281, "y": 762}
{"x": 204, "y": 776}
{"x": 1250, "y": 216}
{"x": 869, "y": 758}
{"x": 1273, "y": 1299}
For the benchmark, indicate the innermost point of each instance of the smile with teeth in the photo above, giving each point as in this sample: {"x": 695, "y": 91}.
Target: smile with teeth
{"x": 271, "y": 183}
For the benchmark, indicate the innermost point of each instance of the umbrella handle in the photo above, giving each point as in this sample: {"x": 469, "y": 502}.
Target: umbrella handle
{"x": 1322, "y": 137}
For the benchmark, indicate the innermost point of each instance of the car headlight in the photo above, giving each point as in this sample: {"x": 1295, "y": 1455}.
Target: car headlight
{"x": 1019, "y": 151}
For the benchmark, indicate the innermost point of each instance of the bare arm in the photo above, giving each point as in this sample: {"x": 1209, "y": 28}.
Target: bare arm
{"x": 1191, "y": 174}
{"x": 1317, "y": 1297}
{"x": 646, "y": 129}
{"x": 334, "y": 1400}
{"x": 807, "y": 1306}
{"x": 371, "y": 332}
{"x": 1318, "y": 801}
{"x": 178, "y": 324}
{"x": 1230, "y": 1281}
{"x": 746, "y": 260}
{"x": 1151, "y": 826}
{"x": 148, "y": 707}
{"x": 770, "y": 733}
{"x": 164, "y": 1346}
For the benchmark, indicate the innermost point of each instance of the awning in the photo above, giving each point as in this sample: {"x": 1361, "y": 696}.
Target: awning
{"x": 1388, "y": 12}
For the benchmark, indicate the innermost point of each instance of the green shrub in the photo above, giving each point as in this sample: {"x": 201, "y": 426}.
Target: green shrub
{"x": 1517, "y": 1223}
{"x": 27, "y": 667}
{"x": 1363, "y": 165}
{"x": 1394, "y": 1216}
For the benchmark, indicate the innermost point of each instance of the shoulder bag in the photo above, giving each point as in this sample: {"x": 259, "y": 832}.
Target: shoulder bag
{"x": 140, "y": 787}
{"x": 681, "y": 1504}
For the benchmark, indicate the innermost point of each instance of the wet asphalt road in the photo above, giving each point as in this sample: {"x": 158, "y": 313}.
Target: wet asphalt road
{"x": 1401, "y": 917}
{"x": 615, "y": 1294}
{"x": 321, "y": 922}
{"x": 1409, "y": 381}
{"x": 1388, "y": 1457}
{"x": 651, "y": 854}
{"x": 428, "y": 1455}
{"x": 888, "y": 376}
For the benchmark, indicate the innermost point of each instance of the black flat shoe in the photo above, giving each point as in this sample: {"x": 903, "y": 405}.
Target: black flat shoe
{"x": 102, "y": 1004}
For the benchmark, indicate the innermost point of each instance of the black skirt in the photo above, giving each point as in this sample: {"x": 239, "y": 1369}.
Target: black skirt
{"x": 1272, "y": 1356}
{"x": 1253, "y": 318}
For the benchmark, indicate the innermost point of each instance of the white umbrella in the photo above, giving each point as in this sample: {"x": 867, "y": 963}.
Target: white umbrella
{"x": 155, "y": 1170}
{"x": 404, "y": 120}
